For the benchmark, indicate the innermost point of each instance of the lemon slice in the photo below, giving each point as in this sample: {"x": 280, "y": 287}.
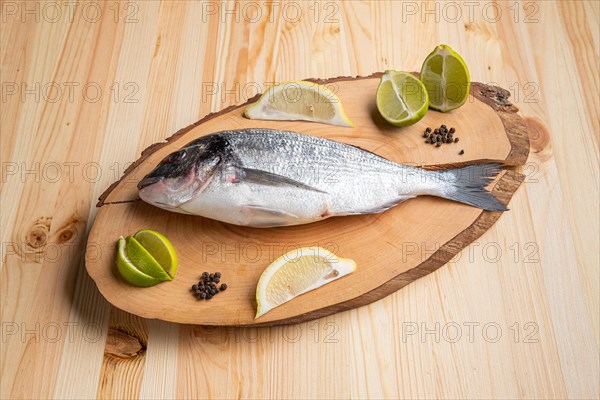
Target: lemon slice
{"x": 446, "y": 77}
{"x": 401, "y": 98}
{"x": 297, "y": 272}
{"x": 136, "y": 265}
{"x": 160, "y": 248}
{"x": 299, "y": 100}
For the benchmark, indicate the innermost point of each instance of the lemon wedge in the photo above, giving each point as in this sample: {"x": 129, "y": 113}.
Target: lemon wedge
{"x": 299, "y": 100}
{"x": 297, "y": 272}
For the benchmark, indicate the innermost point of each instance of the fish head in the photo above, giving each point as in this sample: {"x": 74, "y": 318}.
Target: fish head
{"x": 180, "y": 176}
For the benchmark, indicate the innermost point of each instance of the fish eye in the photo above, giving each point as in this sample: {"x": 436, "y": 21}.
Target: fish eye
{"x": 176, "y": 157}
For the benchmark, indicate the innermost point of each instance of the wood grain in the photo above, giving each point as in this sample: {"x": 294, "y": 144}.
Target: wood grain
{"x": 124, "y": 356}
{"x": 542, "y": 290}
{"x": 490, "y": 130}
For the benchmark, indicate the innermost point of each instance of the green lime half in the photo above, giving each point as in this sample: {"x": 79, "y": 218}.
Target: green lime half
{"x": 136, "y": 265}
{"x": 401, "y": 98}
{"x": 446, "y": 77}
{"x": 160, "y": 248}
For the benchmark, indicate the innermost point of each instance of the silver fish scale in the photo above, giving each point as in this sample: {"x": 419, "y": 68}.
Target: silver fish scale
{"x": 310, "y": 160}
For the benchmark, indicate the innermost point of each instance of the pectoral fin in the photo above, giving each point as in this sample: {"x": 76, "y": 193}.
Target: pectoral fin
{"x": 268, "y": 178}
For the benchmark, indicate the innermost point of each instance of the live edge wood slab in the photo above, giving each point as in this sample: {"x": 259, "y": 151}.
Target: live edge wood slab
{"x": 391, "y": 249}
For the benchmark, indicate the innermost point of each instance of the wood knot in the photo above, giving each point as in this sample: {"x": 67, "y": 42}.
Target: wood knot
{"x": 67, "y": 231}
{"x": 36, "y": 236}
{"x": 539, "y": 137}
{"x": 65, "y": 235}
{"x": 120, "y": 344}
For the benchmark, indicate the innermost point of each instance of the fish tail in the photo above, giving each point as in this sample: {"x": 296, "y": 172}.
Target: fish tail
{"x": 468, "y": 185}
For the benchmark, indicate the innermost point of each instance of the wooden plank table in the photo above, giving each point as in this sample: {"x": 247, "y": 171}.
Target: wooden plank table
{"x": 87, "y": 86}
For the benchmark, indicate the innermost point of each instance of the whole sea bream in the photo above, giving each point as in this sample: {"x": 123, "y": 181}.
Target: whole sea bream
{"x": 266, "y": 178}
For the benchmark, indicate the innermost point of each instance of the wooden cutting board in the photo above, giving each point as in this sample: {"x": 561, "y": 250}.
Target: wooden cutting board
{"x": 391, "y": 249}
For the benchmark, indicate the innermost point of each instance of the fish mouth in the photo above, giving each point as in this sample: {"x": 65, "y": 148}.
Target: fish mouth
{"x": 147, "y": 181}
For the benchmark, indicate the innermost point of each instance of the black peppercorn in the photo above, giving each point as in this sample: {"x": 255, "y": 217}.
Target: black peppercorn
{"x": 207, "y": 288}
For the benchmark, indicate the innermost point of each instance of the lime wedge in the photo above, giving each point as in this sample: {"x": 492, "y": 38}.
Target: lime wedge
{"x": 299, "y": 100}
{"x": 446, "y": 77}
{"x": 401, "y": 98}
{"x": 135, "y": 264}
{"x": 160, "y": 248}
